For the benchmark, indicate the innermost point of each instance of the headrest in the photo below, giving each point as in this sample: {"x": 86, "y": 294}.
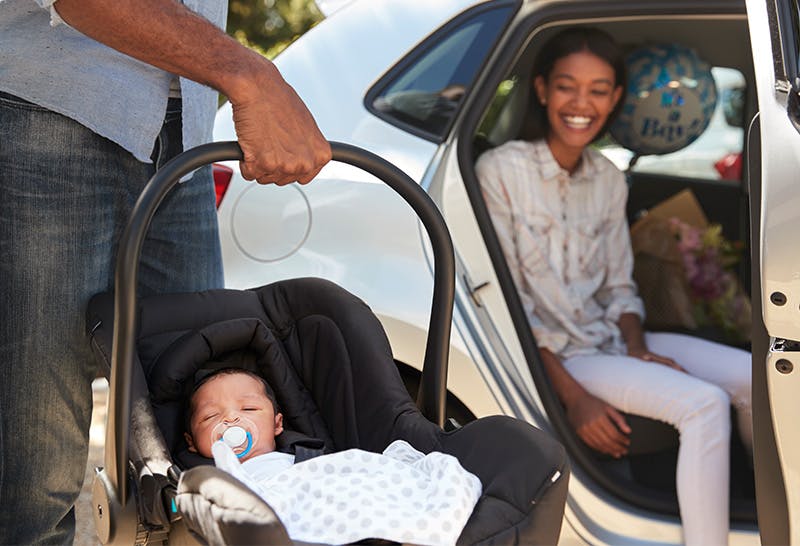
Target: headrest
{"x": 670, "y": 99}
{"x": 243, "y": 343}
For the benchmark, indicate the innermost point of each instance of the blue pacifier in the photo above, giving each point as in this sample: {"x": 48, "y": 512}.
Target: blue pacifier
{"x": 240, "y": 436}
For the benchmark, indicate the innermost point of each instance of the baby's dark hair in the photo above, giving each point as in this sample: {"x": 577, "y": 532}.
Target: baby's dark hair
{"x": 204, "y": 376}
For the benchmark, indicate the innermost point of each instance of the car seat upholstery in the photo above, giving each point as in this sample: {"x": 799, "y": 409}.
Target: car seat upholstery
{"x": 329, "y": 361}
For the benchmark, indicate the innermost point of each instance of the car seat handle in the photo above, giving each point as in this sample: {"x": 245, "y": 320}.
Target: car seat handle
{"x": 431, "y": 398}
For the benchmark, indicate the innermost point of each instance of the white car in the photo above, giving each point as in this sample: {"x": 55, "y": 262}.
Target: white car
{"x": 428, "y": 85}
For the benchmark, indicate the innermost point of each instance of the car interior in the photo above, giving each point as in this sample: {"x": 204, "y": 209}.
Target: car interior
{"x": 645, "y": 478}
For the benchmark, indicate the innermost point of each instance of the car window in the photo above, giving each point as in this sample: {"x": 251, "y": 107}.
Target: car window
{"x": 717, "y": 152}
{"x": 423, "y": 92}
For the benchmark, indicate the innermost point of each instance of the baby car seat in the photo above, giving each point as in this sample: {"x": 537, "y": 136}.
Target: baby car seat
{"x": 330, "y": 364}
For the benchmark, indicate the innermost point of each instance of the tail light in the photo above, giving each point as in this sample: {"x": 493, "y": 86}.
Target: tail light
{"x": 730, "y": 166}
{"x": 222, "y": 179}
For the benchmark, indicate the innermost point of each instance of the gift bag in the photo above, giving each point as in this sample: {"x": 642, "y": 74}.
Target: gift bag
{"x": 659, "y": 273}
{"x": 684, "y": 269}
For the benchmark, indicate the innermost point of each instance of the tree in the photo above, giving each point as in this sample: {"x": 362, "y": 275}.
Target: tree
{"x": 268, "y": 26}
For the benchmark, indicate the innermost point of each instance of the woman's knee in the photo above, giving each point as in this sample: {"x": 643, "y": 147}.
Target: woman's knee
{"x": 711, "y": 405}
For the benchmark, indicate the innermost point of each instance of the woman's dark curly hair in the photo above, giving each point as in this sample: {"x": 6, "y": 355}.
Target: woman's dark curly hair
{"x": 565, "y": 43}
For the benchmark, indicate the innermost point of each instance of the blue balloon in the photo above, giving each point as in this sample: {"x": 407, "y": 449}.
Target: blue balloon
{"x": 671, "y": 97}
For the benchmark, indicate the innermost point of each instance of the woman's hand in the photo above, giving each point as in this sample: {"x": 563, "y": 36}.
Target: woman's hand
{"x": 631, "y": 327}
{"x": 599, "y": 425}
{"x": 643, "y": 354}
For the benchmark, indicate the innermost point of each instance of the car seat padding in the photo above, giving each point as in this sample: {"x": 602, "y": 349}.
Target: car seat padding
{"x": 335, "y": 347}
{"x": 245, "y": 343}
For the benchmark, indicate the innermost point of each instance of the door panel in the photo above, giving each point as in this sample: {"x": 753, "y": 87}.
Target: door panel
{"x": 773, "y": 518}
{"x": 775, "y": 57}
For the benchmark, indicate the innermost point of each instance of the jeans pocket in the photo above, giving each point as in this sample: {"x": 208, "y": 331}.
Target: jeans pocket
{"x": 12, "y": 101}
{"x": 169, "y": 142}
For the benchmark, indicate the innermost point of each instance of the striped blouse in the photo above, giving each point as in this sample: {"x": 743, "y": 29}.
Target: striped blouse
{"x": 567, "y": 244}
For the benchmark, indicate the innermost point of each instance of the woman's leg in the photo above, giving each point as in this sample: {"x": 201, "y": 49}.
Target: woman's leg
{"x": 727, "y": 367}
{"x": 698, "y": 409}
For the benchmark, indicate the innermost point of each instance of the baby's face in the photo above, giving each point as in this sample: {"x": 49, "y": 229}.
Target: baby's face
{"x": 227, "y": 398}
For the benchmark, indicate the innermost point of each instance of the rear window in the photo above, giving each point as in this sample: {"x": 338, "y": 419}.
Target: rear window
{"x": 423, "y": 92}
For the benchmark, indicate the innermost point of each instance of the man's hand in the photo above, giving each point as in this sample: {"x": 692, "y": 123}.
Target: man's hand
{"x": 279, "y": 137}
{"x": 599, "y": 425}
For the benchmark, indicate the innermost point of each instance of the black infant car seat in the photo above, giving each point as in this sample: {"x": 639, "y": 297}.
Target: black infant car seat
{"x": 328, "y": 360}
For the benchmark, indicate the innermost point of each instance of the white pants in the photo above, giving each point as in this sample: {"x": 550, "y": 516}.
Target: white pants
{"x": 697, "y": 403}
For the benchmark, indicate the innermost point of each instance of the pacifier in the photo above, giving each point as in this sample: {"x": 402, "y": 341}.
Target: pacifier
{"x": 239, "y": 434}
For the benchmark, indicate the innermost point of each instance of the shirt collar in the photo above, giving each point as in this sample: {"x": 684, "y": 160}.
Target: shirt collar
{"x": 550, "y": 168}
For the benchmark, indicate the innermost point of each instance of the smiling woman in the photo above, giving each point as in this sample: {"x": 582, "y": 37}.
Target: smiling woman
{"x": 558, "y": 208}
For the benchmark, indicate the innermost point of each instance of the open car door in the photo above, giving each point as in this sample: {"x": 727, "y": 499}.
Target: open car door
{"x": 774, "y": 166}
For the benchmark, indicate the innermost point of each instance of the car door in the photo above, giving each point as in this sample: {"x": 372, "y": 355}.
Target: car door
{"x": 774, "y": 155}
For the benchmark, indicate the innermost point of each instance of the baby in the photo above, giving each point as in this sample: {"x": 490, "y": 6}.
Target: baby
{"x": 401, "y": 495}
{"x": 237, "y": 407}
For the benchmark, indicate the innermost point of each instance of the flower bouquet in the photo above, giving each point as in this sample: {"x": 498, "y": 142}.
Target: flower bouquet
{"x": 684, "y": 268}
{"x": 708, "y": 262}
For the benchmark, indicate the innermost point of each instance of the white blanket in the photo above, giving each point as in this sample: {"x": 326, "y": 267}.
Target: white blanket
{"x": 402, "y": 495}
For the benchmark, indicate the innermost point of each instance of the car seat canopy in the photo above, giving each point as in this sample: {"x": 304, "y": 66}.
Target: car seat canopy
{"x": 301, "y": 349}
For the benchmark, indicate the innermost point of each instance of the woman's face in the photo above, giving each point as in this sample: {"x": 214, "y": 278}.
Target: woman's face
{"x": 579, "y": 95}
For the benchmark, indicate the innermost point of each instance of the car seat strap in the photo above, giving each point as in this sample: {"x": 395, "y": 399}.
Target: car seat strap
{"x": 304, "y": 453}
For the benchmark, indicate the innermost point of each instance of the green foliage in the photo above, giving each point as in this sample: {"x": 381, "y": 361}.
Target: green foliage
{"x": 268, "y": 26}
{"x": 498, "y": 103}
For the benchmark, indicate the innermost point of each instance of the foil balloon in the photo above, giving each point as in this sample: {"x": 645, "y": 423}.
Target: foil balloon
{"x": 670, "y": 98}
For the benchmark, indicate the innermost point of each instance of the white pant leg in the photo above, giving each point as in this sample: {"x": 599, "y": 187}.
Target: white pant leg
{"x": 701, "y": 413}
{"x": 727, "y": 367}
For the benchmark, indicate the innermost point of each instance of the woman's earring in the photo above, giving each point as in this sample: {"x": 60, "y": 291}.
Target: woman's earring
{"x": 543, "y": 101}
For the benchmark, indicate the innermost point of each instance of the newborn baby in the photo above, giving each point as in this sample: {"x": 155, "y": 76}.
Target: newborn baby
{"x": 401, "y": 495}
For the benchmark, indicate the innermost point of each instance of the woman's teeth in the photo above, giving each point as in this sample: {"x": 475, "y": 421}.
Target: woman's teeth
{"x": 577, "y": 122}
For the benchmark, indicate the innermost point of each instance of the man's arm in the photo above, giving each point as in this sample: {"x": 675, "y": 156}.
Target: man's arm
{"x": 279, "y": 137}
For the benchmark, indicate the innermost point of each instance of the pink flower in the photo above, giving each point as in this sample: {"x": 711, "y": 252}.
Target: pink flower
{"x": 707, "y": 260}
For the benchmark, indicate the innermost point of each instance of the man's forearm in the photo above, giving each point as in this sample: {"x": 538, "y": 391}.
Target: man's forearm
{"x": 165, "y": 34}
{"x": 279, "y": 138}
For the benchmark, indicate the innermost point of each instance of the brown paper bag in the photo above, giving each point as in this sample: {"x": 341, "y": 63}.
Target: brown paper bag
{"x": 658, "y": 271}
{"x": 684, "y": 206}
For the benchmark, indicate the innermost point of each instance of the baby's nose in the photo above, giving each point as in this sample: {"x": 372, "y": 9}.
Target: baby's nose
{"x": 231, "y": 419}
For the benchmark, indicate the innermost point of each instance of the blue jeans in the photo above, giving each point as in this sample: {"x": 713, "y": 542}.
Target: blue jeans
{"x": 65, "y": 194}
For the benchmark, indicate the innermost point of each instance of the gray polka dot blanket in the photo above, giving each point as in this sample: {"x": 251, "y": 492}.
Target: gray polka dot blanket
{"x": 401, "y": 495}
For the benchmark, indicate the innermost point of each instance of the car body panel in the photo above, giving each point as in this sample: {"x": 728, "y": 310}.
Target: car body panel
{"x": 354, "y": 259}
{"x": 349, "y": 228}
{"x": 780, "y": 218}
